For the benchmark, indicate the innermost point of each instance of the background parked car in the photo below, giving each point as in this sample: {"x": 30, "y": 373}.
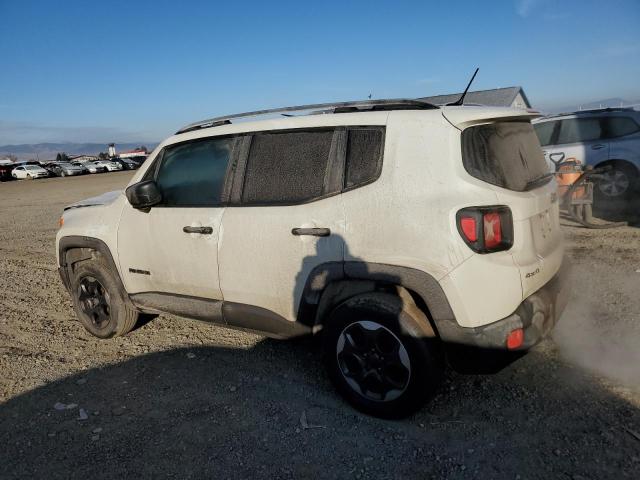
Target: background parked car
{"x": 609, "y": 136}
{"x": 5, "y": 171}
{"x": 99, "y": 168}
{"x": 87, "y": 167}
{"x": 127, "y": 164}
{"x": 64, "y": 169}
{"x": 29, "y": 172}
{"x": 110, "y": 166}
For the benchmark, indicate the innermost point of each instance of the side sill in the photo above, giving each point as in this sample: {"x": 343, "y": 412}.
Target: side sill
{"x": 229, "y": 314}
{"x": 181, "y": 305}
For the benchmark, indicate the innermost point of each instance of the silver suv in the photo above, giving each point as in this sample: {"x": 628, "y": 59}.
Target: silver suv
{"x": 602, "y": 137}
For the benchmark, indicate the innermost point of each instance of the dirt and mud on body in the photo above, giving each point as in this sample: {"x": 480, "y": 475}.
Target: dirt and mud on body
{"x": 179, "y": 398}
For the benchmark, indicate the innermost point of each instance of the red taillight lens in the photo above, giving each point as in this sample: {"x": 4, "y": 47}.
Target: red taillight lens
{"x": 468, "y": 227}
{"x": 486, "y": 229}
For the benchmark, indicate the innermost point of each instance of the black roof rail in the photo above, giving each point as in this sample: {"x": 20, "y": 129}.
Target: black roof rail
{"x": 335, "y": 107}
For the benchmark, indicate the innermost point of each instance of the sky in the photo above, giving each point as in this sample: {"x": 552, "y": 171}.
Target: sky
{"x": 136, "y": 71}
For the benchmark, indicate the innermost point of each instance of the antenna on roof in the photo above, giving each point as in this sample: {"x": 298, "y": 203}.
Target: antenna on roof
{"x": 460, "y": 101}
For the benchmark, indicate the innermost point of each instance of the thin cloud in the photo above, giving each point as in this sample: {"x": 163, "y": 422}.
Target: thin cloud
{"x": 525, "y": 7}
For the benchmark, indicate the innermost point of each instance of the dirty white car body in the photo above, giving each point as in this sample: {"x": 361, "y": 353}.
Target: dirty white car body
{"x": 246, "y": 265}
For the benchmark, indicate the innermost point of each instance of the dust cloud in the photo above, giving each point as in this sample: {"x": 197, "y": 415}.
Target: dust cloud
{"x": 592, "y": 336}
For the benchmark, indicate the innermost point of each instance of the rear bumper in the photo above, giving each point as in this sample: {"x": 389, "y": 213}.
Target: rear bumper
{"x": 536, "y": 315}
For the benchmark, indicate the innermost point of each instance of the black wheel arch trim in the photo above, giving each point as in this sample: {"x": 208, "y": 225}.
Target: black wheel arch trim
{"x": 361, "y": 276}
{"x": 81, "y": 242}
{"x": 365, "y": 276}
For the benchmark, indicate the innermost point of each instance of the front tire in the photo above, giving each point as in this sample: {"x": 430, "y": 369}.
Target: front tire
{"x": 98, "y": 302}
{"x": 382, "y": 357}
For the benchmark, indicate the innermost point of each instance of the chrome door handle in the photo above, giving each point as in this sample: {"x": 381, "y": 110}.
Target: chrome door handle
{"x": 316, "y": 232}
{"x": 202, "y": 230}
{"x": 597, "y": 147}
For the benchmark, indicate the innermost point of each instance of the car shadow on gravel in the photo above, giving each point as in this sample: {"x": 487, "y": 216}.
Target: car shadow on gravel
{"x": 623, "y": 210}
{"x": 267, "y": 411}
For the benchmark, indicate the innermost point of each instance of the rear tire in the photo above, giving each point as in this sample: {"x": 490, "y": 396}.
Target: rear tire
{"x": 618, "y": 183}
{"x": 98, "y": 302}
{"x": 382, "y": 358}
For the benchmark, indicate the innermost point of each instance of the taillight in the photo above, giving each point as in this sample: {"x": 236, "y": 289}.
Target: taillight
{"x": 515, "y": 339}
{"x": 486, "y": 229}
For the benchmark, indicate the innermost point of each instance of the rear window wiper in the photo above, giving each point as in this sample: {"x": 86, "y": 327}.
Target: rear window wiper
{"x": 538, "y": 181}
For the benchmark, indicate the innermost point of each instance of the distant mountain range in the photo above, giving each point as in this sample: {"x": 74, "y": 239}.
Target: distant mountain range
{"x": 606, "y": 103}
{"x": 48, "y": 151}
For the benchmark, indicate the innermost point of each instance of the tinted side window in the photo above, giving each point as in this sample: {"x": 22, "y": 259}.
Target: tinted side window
{"x": 193, "y": 174}
{"x": 544, "y": 131}
{"x": 286, "y": 167}
{"x": 576, "y": 130}
{"x": 620, "y": 126}
{"x": 364, "y": 155}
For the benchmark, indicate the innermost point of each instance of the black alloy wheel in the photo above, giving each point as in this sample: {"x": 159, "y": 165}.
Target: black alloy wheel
{"x": 93, "y": 299}
{"x": 373, "y": 361}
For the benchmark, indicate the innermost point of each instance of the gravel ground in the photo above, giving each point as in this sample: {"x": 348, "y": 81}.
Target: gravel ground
{"x": 182, "y": 399}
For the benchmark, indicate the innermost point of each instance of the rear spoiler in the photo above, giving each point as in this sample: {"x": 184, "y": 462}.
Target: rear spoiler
{"x": 463, "y": 117}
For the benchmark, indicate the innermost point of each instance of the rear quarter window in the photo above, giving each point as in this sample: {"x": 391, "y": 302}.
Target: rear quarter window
{"x": 364, "y": 156}
{"x": 620, "y": 126}
{"x": 544, "y": 131}
{"x": 505, "y": 154}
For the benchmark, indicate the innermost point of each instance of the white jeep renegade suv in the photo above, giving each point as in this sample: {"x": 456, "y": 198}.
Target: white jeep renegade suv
{"x": 389, "y": 227}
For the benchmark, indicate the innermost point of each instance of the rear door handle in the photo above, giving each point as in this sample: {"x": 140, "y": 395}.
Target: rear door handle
{"x": 202, "y": 230}
{"x": 597, "y": 147}
{"x": 316, "y": 232}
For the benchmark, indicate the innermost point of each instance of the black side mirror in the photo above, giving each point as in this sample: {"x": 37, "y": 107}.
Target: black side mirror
{"x": 143, "y": 194}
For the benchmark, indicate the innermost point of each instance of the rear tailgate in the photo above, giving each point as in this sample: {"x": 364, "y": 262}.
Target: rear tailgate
{"x": 505, "y": 153}
{"x": 537, "y": 248}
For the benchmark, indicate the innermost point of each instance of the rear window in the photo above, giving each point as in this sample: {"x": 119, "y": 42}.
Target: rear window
{"x": 506, "y": 154}
{"x": 286, "y": 168}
